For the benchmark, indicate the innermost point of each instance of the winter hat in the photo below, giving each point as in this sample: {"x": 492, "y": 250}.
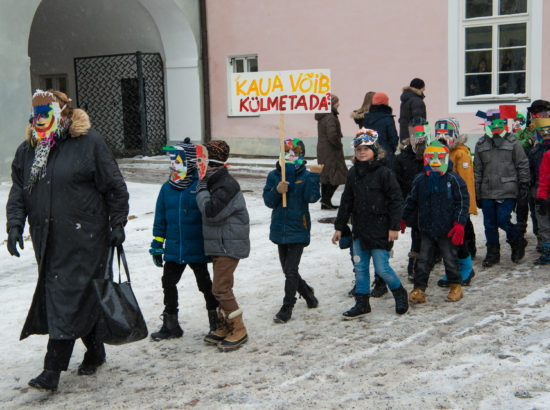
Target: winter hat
{"x": 380, "y": 99}
{"x": 333, "y": 99}
{"x": 367, "y": 137}
{"x": 218, "y": 153}
{"x": 417, "y": 83}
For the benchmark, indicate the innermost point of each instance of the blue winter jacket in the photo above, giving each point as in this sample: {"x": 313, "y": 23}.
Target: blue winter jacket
{"x": 438, "y": 211}
{"x": 178, "y": 220}
{"x": 293, "y": 223}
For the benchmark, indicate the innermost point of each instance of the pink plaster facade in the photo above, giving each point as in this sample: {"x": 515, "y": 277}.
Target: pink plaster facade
{"x": 367, "y": 44}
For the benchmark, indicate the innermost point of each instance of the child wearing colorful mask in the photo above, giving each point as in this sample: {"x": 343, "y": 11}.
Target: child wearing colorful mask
{"x": 543, "y": 201}
{"x": 441, "y": 198}
{"x": 372, "y": 199}
{"x": 538, "y": 113}
{"x": 408, "y": 164}
{"x": 290, "y": 226}
{"x": 447, "y": 132}
{"x": 177, "y": 232}
{"x": 523, "y": 134}
{"x": 226, "y": 231}
{"x": 501, "y": 172}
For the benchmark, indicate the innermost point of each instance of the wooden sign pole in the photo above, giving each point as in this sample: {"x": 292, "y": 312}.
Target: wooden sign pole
{"x": 282, "y": 157}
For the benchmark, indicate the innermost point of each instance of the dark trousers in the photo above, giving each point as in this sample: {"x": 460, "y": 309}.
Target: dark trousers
{"x": 416, "y": 239}
{"x": 289, "y": 256}
{"x": 532, "y": 199}
{"x": 59, "y": 352}
{"x": 469, "y": 240}
{"x": 327, "y": 191}
{"x": 497, "y": 214}
{"x": 171, "y": 276}
{"x": 448, "y": 251}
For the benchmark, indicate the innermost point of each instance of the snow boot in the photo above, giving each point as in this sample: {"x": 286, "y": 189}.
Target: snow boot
{"x": 306, "y": 291}
{"x": 237, "y": 332}
{"x": 401, "y": 300}
{"x": 90, "y": 364}
{"x": 362, "y": 307}
{"x": 411, "y": 267}
{"x": 213, "y": 319}
{"x": 417, "y": 296}
{"x": 466, "y": 273}
{"x": 518, "y": 249}
{"x": 47, "y": 380}
{"x": 455, "y": 293}
{"x": 493, "y": 255}
{"x": 544, "y": 258}
{"x": 222, "y": 330}
{"x": 170, "y": 328}
{"x": 379, "y": 287}
{"x": 284, "y": 314}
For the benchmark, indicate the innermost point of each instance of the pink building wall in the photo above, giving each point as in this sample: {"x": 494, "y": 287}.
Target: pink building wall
{"x": 367, "y": 45}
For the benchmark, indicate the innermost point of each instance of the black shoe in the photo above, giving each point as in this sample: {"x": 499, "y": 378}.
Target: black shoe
{"x": 493, "y": 255}
{"x": 284, "y": 314}
{"x": 401, "y": 300}
{"x": 308, "y": 294}
{"x": 88, "y": 368}
{"x": 170, "y": 328}
{"x": 518, "y": 249}
{"x": 213, "y": 319}
{"x": 466, "y": 282}
{"x": 443, "y": 283}
{"x": 379, "y": 287}
{"x": 47, "y": 380}
{"x": 362, "y": 307}
{"x": 328, "y": 206}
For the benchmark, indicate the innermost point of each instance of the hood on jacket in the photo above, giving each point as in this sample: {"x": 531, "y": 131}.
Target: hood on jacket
{"x": 358, "y": 115}
{"x": 409, "y": 92}
{"x": 80, "y": 124}
{"x": 386, "y": 109}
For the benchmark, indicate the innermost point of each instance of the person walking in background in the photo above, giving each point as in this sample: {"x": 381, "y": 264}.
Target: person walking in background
{"x": 226, "y": 230}
{"x": 412, "y": 106}
{"x": 177, "y": 238}
{"x": 66, "y": 182}
{"x": 330, "y": 153}
{"x": 380, "y": 119}
{"x": 359, "y": 114}
{"x": 291, "y": 225}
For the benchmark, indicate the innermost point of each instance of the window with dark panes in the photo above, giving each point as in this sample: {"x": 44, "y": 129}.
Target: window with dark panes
{"x": 495, "y": 48}
{"x": 244, "y": 64}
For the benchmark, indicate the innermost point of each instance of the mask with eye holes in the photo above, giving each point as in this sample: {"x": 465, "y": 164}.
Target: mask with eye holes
{"x": 436, "y": 158}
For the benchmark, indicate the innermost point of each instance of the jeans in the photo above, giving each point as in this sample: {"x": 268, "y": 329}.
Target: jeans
{"x": 449, "y": 253}
{"x": 497, "y": 214}
{"x": 171, "y": 276}
{"x": 381, "y": 261}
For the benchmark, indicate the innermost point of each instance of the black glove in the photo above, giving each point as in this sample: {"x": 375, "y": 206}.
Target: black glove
{"x": 117, "y": 235}
{"x": 523, "y": 194}
{"x": 541, "y": 207}
{"x": 15, "y": 235}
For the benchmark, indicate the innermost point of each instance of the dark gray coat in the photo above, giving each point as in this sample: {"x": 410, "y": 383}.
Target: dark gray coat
{"x": 498, "y": 171}
{"x": 330, "y": 151}
{"x": 225, "y": 220}
{"x": 412, "y": 106}
{"x": 69, "y": 213}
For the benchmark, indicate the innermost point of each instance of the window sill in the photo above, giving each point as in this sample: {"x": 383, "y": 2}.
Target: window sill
{"x": 494, "y": 101}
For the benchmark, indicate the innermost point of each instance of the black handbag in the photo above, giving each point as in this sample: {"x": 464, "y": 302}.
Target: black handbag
{"x": 120, "y": 319}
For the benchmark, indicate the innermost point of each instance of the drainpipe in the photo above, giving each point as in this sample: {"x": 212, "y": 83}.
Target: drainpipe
{"x": 205, "y": 72}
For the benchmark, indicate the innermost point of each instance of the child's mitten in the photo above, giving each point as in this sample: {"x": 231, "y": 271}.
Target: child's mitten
{"x": 457, "y": 234}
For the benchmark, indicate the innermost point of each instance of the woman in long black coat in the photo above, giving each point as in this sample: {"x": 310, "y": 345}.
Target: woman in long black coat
{"x": 69, "y": 187}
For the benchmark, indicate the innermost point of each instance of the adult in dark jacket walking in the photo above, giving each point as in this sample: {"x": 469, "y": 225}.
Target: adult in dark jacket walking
{"x": 381, "y": 119}
{"x": 330, "y": 153}
{"x": 412, "y": 106}
{"x": 68, "y": 185}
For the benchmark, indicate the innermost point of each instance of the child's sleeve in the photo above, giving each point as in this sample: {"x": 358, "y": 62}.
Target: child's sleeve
{"x": 159, "y": 225}
{"x": 312, "y": 192}
{"x": 218, "y": 205}
{"x": 271, "y": 197}
{"x": 543, "y": 190}
{"x": 461, "y": 200}
{"x": 478, "y": 172}
{"x": 411, "y": 203}
{"x": 394, "y": 200}
{"x": 346, "y": 203}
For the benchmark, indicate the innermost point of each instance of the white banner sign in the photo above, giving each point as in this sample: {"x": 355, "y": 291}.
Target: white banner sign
{"x": 280, "y": 92}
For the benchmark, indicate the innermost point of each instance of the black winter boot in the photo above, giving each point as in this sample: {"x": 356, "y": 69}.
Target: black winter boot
{"x": 544, "y": 258}
{"x": 306, "y": 291}
{"x": 47, "y": 380}
{"x": 89, "y": 366}
{"x": 518, "y": 249}
{"x": 213, "y": 319}
{"x": 362, "y": 307}
{"x": 284, "y": 314}
{"x": 379, "y": 287}
{"x": 170, "y": 328}
{"x": 401, "y": 300}
{"x": 493, "y": 255}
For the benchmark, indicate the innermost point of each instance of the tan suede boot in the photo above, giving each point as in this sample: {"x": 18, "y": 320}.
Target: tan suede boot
{"x": 417, "y": 296}
{"x": 455, "y": 294}
{"x": 237, "y": 332}
{"x": 222, "y": 330}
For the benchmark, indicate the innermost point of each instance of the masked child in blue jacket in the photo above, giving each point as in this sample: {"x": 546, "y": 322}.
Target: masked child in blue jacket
{"x": 178, "y": 238}
{"x": 291, "y": 225}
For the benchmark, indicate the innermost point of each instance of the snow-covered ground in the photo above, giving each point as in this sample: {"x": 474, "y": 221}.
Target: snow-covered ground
{"x": 490, "y": 350}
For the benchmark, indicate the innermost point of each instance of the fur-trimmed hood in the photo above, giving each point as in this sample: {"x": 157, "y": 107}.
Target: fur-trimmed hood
{"x": 414, "y": 90}
{"x": 461, "y": 140}
{"x": 358, "y": 115}
{"x": 80, "y": 125}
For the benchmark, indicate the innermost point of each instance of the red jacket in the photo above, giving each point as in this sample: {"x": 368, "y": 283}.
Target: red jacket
{"x": 544, "y": 177}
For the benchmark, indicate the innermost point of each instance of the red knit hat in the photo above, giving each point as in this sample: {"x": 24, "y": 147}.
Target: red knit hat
{"x": 380, "y": 99}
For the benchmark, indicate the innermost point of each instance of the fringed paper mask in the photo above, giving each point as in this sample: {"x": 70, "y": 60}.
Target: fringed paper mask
{"x": 202, "y": 160}
{"x": 45, "y": 117}
{"x": 542, "y": 130}
{"x": 519, "y": 123}
{"x": 294, "y": 151}
{"x": 446, "y": 130}
{"x": 496, "y": 120}
{"x": 436, "y": 158}
{"x": 178, "y": 163}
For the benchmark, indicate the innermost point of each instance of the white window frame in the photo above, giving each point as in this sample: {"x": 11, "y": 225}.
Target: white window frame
{"x": 456, "y": 56}
{"x": 229, "y": 70}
